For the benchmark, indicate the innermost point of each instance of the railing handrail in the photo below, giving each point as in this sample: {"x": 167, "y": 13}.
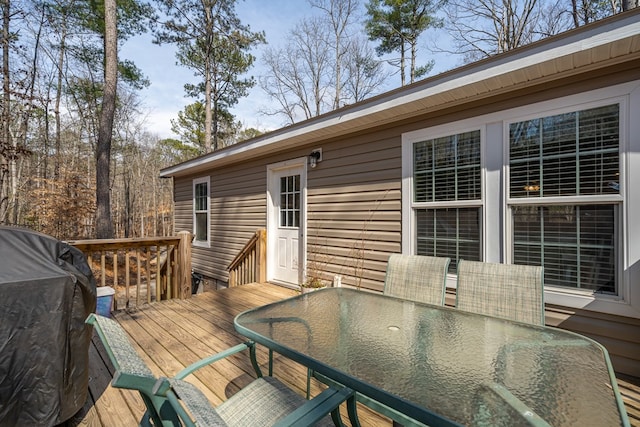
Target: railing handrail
{"x": 109, "y": 244}
{"x": 248, "y": 247}
{"x": 250, "y": 262}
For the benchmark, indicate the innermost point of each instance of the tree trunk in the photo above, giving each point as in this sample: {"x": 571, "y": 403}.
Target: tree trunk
{"x": 208, "y": 115}
{"x": 104, "y": 223}
{"x": 56, "y": 158}
{"x": 403, "y": 50}
{"x": 5, "y": 144}
{"x": 413, "y": 59}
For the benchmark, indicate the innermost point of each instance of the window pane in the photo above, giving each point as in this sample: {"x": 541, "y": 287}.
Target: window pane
{"x": 201, "y": 226}
{"x": 449, "y": 232}
{"x": 575, "y": 244}
{"x": 566, "y": 155}
{"x": 448, "y": 168}
{"x": 200, "y": 197}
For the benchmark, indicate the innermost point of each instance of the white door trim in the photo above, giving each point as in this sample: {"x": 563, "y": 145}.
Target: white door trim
{"x": 272, "y": 189}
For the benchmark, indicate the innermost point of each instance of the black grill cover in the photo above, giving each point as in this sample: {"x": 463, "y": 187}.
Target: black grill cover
{"x": 46, "y": 292}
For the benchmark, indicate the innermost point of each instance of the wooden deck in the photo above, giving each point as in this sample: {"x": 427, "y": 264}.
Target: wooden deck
{"x": 172, "y": 334}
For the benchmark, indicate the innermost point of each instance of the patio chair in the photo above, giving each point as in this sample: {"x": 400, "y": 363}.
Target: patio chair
{"x": 508, "y": 291}
{"x": 174, "y": 402}
{"x": 417, "y": 277}
{"x": 414, "y": 277}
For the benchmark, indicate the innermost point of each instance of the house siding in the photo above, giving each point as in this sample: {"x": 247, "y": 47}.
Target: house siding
{"x": 354, "y": 208}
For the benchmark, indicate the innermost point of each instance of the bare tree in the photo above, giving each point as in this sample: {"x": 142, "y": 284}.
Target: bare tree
{"x": 298, "y": 75}
{"x": 322, "y": 67}
{"x": 339, "y": 15}
{"x": 487, "y": 27}
{"x": 364, "y": 73}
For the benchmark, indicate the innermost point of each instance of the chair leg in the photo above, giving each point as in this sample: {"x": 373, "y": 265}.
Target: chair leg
{"x": 254, "y": 360}
{"x": 309, "y": 375}
{"x": 353, "y": 412}
{"x": 270, "y": 362}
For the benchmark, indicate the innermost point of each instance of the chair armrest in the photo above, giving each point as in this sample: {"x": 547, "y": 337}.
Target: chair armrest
{"x": 212, "y": 359}
{"x": 317, "y": 408}
{"x": 185, "y": 396}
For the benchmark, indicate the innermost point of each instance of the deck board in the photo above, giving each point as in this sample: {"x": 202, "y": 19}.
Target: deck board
{"x": 172, "y": 334}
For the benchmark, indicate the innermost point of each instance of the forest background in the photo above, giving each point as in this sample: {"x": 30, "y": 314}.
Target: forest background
{"x": 76, "y": 158}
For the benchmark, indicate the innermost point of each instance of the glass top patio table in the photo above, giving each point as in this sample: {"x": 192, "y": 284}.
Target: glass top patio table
{"x": 442, "y": 366}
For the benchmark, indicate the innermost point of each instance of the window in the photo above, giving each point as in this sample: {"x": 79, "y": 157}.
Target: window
{"x": 290, "y": 201}
{"x": 565, "y": 196}
{"x": 550, "y": 183}
{"x": 447, "y": 197}
{"x": 201, "y": 211}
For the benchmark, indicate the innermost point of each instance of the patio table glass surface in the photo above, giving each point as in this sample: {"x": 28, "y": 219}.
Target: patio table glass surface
{"x": 434, "y": 363}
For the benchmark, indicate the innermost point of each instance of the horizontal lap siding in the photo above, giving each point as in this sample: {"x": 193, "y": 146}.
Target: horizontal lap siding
{"x": 237, "y": 211}
{"x": 238, "y": 203}
{"x": 620, "y": 335}
{"x": 354, "y": 208}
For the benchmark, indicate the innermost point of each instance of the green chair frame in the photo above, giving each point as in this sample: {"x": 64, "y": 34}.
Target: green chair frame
{"x": 175, "y": 402}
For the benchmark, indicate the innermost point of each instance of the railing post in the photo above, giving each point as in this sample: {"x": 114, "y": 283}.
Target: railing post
{"x": 261, "y": 256}
{"x": 184, "y": 265}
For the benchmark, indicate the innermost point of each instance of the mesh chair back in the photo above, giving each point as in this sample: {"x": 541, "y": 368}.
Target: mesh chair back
{"x": 417, "y": 278}
{"x": 508, "y": 291}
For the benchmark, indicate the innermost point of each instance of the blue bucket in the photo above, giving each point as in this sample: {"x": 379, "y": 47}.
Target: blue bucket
{"x": 105, "y": 300}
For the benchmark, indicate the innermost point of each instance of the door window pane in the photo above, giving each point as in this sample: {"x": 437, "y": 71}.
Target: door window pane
{"x": 290, "y": 201}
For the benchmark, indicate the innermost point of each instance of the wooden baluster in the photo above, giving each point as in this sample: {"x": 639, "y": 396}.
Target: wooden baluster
{"x": 126, "y": 276}
{"x": 138, "y": 275}
{"x": 103, "y": 267}
{"x": 147, "y": 251}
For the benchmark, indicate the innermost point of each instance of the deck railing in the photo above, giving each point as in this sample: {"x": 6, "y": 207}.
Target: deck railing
{"x": 250, "y": 265}
{"x": 141, "y": 270}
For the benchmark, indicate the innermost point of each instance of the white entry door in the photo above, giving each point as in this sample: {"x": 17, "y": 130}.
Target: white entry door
{"x": 286, "y": 223}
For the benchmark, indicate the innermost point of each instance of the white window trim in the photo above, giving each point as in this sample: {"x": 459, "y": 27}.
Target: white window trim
{"x": 627, "y": 95}
{"x": 207, "y": 180}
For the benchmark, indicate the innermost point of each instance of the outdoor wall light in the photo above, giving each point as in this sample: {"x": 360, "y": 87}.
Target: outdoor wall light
{"x": 315, "y": 157}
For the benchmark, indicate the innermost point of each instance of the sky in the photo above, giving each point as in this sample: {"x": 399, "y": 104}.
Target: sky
{"x": 165, "y": 96}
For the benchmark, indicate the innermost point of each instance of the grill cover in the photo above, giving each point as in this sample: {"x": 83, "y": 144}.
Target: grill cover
{"x": 47, "y": 290}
